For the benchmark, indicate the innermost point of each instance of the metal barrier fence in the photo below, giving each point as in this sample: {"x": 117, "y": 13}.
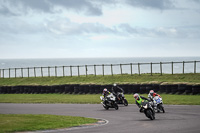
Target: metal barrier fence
{"x": 104, "y": 69}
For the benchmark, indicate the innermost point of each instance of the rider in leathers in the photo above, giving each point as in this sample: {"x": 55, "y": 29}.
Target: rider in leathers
{"x": 152, "y": 94}
{"x": 105, "y": 94}
{"x": 116, "y": 89}
{"x": 138, "y": 100}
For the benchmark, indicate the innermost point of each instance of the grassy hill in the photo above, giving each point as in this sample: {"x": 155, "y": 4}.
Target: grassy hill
{"x": 107, "y": 79}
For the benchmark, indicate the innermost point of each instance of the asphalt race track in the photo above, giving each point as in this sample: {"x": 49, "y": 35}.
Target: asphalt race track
{"x": 177, "y": 119}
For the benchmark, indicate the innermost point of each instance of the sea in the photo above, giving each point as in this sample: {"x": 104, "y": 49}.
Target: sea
{"x": 96, "y": 66}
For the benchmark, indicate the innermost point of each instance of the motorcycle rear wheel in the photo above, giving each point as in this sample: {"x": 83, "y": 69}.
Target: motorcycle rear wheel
{"x": 125, "y": 102}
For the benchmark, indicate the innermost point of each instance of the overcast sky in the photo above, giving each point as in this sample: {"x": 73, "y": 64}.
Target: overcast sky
{"x": 99, "y": 28}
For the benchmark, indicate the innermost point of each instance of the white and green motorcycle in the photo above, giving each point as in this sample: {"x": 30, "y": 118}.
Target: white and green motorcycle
{"x": 109, "y": 102}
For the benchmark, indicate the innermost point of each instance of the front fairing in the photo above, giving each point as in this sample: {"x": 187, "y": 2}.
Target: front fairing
{"x": 144, "y": 104}
{"x": 157, "y": 100}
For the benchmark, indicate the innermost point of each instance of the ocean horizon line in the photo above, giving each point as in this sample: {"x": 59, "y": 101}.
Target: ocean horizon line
{"x": 101, "y": 57}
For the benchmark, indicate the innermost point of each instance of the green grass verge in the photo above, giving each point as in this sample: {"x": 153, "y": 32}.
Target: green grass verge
{"x": 28, "y": 122}
{"x": 107, "y": 79}
{"x": 91, "y": 98}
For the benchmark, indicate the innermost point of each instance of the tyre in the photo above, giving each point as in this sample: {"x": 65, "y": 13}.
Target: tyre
{"x": 125, "y": 102}
{"x": 106, "y": 107}
{"x": 181, "y": 88}
{"x": 174, "y": 89}
{"x": 160, "y": 107}
{"x": 162, "y": 88}
{"x": 142, "y": 89}
{"x": 150, "y": 114}
{"x": 195, "y": 89}
{"x": 116, "y": 106}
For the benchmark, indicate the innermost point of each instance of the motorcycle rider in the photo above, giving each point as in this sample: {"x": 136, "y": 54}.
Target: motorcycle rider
{"x": 152, "y": 94}
{"x": 116, "y": 89}
{"x": 105, "y": 94}
{"x": 139, "y": 99}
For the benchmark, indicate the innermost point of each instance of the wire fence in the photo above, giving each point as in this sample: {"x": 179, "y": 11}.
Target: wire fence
{"x": 103, "y": 69}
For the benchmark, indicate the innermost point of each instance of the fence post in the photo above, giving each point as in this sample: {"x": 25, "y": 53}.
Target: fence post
{"x": 78, "y": 71}
{"x": 63, "y": 71}
{"x": 111, "y": 69}
{"x": 41, "y": 72}
{"x": 86, "y": 70}
{"x": 121, "y": 68}
{"x": 49, "y": 71}
{"x": 9, "y": 72}
{"x": 28, "y": 71}
{"x": 160, "y": 68}
{"x": 15, "y": 72}
{"x": 34, "y": 72}
{"x": 55, "y": 71}
{"x": 183, "y": 67}
{"x": 139, "y": 68}
{"x": 172, "y": 67}
{"x": 22, "y": 72}
{"x": 95, "y": 70}
{"x": 131, "y": 65}
{"x": 0, "y": 73}
{"x": 71, "y": 71}
{"x": 103, "y": 69}
{"x": 3, "y": 73}
{"x": 195, "y": 63}
{"x": 151, "y": 69}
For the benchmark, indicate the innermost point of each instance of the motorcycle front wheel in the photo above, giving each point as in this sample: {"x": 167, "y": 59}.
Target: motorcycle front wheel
{"x": 116, "y": 106}
{"x": 161, "y": 108}
{"x": 125, "y": 102}
{"x": 106, "y": 107}
{"x": 150, "y": 114}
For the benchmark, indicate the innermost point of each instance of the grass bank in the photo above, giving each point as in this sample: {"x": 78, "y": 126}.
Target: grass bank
{"x": 28, "y": 122}
{"x": 107, "y": 79}
{"x": 91, "y": 98}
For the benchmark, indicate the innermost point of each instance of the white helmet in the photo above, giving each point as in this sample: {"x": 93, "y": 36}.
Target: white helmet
{"x": 136, "y": 96}
{"x": 105, "y": 90}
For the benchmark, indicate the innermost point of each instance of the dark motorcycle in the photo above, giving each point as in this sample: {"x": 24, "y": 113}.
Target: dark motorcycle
{"x": 121, "y": 99}
{"x": 148, "y": 109}
{"x": 109, "y": 102}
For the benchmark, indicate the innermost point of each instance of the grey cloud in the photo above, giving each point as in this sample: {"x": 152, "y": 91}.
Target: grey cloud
{"x": 197, "y": 1}
{"x": 127, "y": 28}
{"x": 165, "y": 32}
{"x": 88, "y": 7}
{"x": 40, "y": 5}
{"x": 66, "y": 27}
{"x": 20, "y": 27}
{"x": 5, "y": 10}
{"x": 49, "y": 6}
{"x": 79, "y": 5}
{"x": 63, "y": 26}
{"x": 156, "y": 4}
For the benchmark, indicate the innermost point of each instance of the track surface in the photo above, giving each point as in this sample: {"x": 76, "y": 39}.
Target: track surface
{"x": 178, "y": 119}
